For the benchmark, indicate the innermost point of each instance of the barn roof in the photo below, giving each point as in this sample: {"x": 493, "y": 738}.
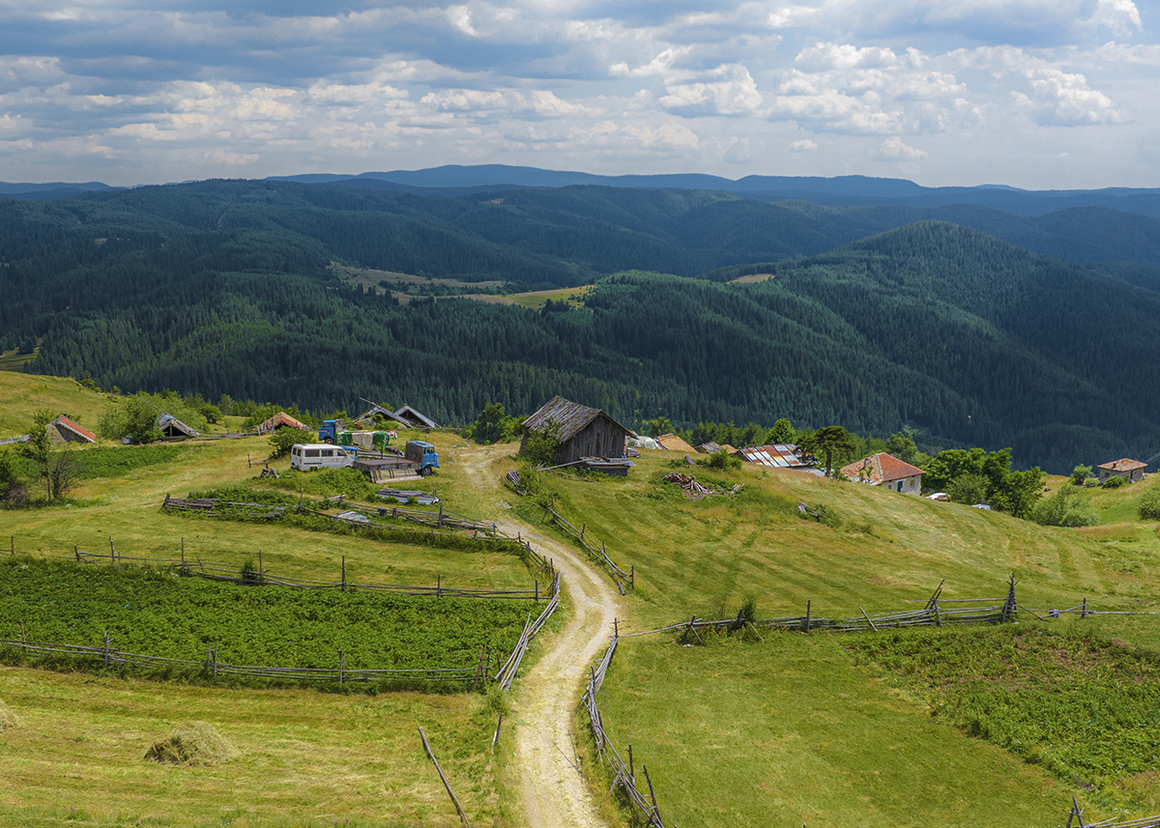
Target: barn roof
{"x": 282, "y": 419}
{"x": 167, "y": 421}
{"x": 76, "y": 428}
{"x": 415, "y": 417}
{"x": 571, "y": 417}
{"x": 673, "y": 442}
{"x": 380, "y": 411}
{"x": 880, "y": 468}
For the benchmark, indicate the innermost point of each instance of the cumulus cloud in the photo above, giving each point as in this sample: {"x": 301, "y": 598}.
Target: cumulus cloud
{"x": 274, "y": 86}
{"x": 895, "y": 149}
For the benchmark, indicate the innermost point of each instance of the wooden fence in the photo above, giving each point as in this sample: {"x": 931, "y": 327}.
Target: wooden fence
{"x": 507, "y": 673}
{"x": 624, "y": 772}
{"x": 938, "y": 612}
{"x": 599, "y": 554}
{"x": 110, "y": 657}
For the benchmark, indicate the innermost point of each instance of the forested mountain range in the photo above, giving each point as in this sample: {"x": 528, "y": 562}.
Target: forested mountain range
{"x": 226, "y": 287}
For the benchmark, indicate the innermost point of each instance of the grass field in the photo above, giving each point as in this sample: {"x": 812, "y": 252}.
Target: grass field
{"x": 23, "y": 394}
{"x": 15, "y": 361}
{"x": 305, "y": 759}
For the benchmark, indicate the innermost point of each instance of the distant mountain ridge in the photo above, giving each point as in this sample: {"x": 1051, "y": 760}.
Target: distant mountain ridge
{"x": 454, "y": 180}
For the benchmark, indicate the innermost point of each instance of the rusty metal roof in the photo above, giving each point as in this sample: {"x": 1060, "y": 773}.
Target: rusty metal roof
{"x": 777, "y": 455}
{"x": 571, "y": 417}
{"x": 74, "y": 427}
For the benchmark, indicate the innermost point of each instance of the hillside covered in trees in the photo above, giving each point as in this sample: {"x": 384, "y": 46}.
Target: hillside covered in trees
{"x": 226, "y": 287}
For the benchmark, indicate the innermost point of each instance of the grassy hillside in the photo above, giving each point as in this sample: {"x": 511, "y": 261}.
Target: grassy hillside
{"x": 25, "y": 394}
{"x": 790, "y": 729}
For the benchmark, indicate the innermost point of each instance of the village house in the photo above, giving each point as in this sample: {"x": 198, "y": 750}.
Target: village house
{"x": 1130, "y": 470}
{"x": 887, "y": 471}
{"x": 62, "y": 429}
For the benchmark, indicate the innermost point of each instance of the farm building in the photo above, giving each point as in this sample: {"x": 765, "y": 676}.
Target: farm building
{"x": 62, "y": 429}
{"x": 382, "y": 411}
{"x": 416, "y": 418}
{"x": 584, "y": 434}
{"x": 172, "y": 427}
{"x": 1130, "y": 470}
{"x": 887, "y": 471}
{"x": 281, "y": 420}
{"x": 672, "y": 442}
{"x": 712, "y": 448}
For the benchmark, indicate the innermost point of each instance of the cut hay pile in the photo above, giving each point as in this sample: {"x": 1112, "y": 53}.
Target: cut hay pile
{"x": 8, "y": 719}
{"x": 196, "y": 743}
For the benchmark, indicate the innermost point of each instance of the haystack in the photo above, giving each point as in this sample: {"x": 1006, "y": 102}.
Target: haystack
{"x": 196, "y": 743}
{"x": 8, "y": 719}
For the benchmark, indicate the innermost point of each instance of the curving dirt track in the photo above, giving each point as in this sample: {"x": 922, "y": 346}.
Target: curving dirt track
{"x": 554, "y": 793}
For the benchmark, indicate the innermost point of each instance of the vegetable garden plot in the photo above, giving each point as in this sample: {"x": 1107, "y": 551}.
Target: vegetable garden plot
{"x": 162, "y": 614}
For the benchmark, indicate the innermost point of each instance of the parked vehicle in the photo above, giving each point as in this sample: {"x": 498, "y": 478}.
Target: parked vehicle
{"x": 423, "y": 455}
{"x": 307, "y": 456}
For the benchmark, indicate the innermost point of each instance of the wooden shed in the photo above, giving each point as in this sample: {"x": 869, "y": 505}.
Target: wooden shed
{"x": 62, "y": 429}
{"x": 583, "y": 431}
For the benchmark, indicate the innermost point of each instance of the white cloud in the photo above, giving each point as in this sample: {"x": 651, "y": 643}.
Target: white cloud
{"x": 895, "y": 149}
{"x": 725, "y": 90}
{"x": 805, "y": 145}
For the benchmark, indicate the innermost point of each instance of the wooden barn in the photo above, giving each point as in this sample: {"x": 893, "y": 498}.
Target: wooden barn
{"x": 583, "y": 432}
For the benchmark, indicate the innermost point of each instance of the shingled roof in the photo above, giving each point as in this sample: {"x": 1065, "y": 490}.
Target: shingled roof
{"x": 1124, "y": 464}
{"x": 572, "y": 418}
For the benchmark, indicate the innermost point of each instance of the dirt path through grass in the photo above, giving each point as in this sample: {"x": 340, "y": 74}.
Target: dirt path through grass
{"x": 555, "y": 794}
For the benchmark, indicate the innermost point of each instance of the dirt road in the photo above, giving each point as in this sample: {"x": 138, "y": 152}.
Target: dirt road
{"x": 554, "y": 793}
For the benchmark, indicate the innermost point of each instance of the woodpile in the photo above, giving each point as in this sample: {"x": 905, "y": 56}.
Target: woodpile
{"x": 693, "y": 489}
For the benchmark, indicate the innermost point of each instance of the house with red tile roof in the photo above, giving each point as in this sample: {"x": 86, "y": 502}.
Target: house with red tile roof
{"x": 1125, "y": 467}
{"x": 887, "y": 471}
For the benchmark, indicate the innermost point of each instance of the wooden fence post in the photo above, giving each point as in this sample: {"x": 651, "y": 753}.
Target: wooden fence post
{"x": 439, "y": 770}
{"x": 652, "y": 795}
{"x": 438, "y": 586}
{"x": 807, "y": 616}
{"x": 76, "y": 553}
{"x": 1083, "y": 612}
{"x": 22, "y": 639}
{"x": 632, "y": 578}
{"x": 341, "y": 667}
{"x": 495, "y": 738}
{"x": 344, "y": 573}
{"x": 112, "y": 551}
{"x": 106, "y": 649}
{"x": 261, "y": 570}
{"x": 12, "y": 547}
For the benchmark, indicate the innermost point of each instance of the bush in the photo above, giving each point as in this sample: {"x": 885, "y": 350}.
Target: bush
{"x": 1149, "y": 505}
{"x": 1114, "y": 483}
{"x": 284, "y": 438}
{"x": 1065, "y": 508}
{"x": 722, "y": 461}
{"x": 1080, "y": 474}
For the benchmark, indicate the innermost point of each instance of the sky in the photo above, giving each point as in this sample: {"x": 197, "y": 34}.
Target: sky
{"x": 1040, "y": 94}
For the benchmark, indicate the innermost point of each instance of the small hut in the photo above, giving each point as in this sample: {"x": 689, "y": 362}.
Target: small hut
{"x": 64, "y": 430}
{"x": 583, "y": 432}
{"x": 170, "y": 426}
{"x": 416, "y": 418}
{"x": 281, "y": 420}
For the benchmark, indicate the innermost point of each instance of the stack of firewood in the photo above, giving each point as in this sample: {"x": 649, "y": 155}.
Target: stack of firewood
{"x": 693, "y": 489}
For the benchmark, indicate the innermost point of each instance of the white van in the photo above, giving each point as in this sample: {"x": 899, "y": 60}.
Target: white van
{"x": 307, "y": 456}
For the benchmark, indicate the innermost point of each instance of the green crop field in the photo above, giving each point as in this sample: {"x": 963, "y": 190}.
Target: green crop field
{"x": 159, "y": 613}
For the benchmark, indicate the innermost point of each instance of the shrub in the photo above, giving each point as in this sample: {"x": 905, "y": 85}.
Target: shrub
{"x": 969, "y": 489}
{"x": 284, "y": 438}
{"x": 1065, "y": 508}
{"x": 1114, "y": 483}
{"x": 1080, "y": 474}
{"x": 722, "y": 461}
{"x": 1150, "y": 503}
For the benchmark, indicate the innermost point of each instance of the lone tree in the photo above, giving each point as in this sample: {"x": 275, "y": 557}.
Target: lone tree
{"x": 55, "y": 466}
{"x": 827, "y": 442}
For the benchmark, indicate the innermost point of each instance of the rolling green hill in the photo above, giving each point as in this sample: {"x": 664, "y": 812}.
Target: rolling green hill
{"x": 227, "y": 287}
